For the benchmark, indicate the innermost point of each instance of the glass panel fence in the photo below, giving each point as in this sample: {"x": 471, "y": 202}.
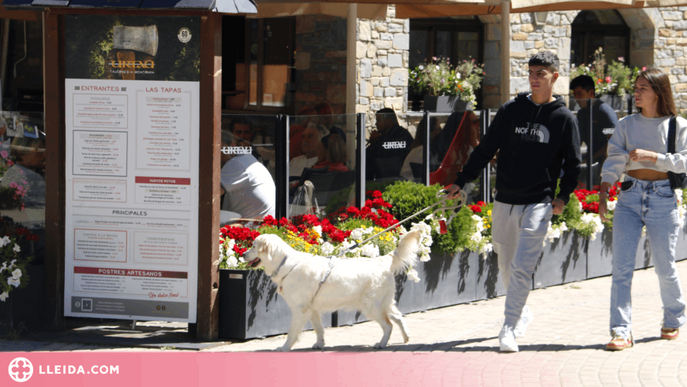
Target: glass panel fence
{"x": 22, "y": 179}
{"x": 597, "y": 119}
{"x": 322, "y": 164}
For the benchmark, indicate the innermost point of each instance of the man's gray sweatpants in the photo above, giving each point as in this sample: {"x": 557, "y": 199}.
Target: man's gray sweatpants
{"x": 518, "y": 232}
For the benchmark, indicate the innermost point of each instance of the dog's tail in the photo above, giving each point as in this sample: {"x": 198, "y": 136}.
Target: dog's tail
{"x": 406, "y": 252}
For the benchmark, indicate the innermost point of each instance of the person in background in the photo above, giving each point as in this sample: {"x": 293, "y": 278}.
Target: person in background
{"x": 638, "y": 149}
{"x": 29, "y": 159}
{"x": 242, "y": 129}
{"x": 325, "y": 111}
{"x": 313, "y": 151}
{"x": 305, "y": 116}
{"x": 388, "y": 146}
{"x": 336, "y": 155}
{"x": 537, "y": 138}
{"x": 604, "y": 121}
{"x": 250, "y": 190}
{"x": 416, "y": 148}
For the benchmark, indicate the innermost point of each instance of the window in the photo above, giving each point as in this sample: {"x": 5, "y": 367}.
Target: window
{"x": 258, "y": 63}
{"x": 594, "y": 29}
{"x": 453, "y": 38}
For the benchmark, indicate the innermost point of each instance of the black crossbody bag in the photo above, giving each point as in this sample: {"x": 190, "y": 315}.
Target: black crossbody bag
{"x": 677, "y": 180}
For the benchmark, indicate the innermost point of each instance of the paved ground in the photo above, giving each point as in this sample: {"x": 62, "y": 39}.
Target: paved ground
{"x": 563, "y": 346}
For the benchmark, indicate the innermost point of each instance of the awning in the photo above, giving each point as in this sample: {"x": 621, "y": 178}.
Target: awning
{"x": 221, "y": 6}
{"x": 365, "y": 11}
{"x": 491, "y": 7}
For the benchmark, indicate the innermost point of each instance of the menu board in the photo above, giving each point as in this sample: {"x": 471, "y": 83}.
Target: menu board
{"x": 132, "y": 135}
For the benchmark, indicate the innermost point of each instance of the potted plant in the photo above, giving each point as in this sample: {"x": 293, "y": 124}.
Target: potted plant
{"x": 18, "y": 306}
{"x": 446, "y": 87}
{"x": 613, "y": 82}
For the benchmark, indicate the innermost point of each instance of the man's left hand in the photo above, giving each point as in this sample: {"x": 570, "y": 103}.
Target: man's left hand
{"x": 558, "y": 206}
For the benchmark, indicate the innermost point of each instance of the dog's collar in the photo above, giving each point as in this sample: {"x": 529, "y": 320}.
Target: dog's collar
{"x": 279, "y": 267}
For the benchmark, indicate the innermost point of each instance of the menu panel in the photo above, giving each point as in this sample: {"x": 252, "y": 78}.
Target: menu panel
{"x": 132, "y": 175}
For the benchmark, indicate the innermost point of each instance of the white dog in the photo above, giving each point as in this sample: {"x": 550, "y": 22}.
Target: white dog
{"x": 364, "y": 284}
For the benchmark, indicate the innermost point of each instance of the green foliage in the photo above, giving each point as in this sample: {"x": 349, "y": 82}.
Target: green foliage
{"x": 408, "y": 197}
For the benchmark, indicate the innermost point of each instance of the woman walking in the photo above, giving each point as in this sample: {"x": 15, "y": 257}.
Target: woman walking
{"x": 639, "y": 148}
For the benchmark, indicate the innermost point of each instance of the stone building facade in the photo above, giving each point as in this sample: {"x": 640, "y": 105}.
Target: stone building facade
{"x": 658, "y": 38}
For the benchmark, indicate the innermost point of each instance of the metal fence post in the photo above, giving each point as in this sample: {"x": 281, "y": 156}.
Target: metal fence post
{"x": 360, "y": 160}
{"x": 282, "y": 165}
{"x": 485, "y": 178}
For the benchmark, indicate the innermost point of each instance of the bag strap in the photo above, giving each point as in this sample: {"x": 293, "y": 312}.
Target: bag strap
{"x": 671, "y": 135}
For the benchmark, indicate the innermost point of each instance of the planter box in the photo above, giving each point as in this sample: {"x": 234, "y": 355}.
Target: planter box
{"x": 489, "y": 283}
{"x": 600, "y": 254}
{"x": 250, "y": 306}
{"x": 23, "y": 309}
{"x": 445, "y": 104}
{"x": 562, "y": 261}
{"x": 444, "y": 280}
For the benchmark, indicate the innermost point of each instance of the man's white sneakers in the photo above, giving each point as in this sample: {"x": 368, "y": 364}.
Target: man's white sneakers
{"x": 507, "y": 339}
{"x": 524, "y": 321}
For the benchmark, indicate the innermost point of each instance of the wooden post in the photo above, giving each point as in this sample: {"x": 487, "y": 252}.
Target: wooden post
{"x": 53, "y": 86}
{"x": 209, "y": 164}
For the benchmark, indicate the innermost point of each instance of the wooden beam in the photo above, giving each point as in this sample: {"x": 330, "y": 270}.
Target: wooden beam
{"x": 20, "y": 15}
{"x": 53, "y": 86}
{"x": 209, "y": 164}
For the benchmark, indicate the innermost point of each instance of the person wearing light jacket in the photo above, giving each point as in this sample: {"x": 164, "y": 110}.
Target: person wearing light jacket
{"x": 537, "y": 138}
{"x": 639, "y": 148}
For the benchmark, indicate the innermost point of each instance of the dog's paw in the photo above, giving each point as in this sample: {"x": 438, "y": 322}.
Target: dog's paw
{"x": 318, "y": 346}
{"x": 406, "y": 339}
{"x": 283, "y": 349}
{"x": 379, "y": 346}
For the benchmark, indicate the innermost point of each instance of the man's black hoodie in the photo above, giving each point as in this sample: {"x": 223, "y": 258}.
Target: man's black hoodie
{"x": 534, "y": 143}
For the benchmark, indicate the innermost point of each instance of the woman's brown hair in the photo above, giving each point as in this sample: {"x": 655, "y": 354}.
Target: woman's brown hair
{"x": 660, "y": 84}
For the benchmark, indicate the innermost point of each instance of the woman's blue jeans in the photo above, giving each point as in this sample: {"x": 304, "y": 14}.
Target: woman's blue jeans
{"x": 652, "y": 204}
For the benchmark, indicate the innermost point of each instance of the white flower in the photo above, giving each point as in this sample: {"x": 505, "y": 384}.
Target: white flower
{"x": 16, "y": 274}
{"x": 327, "y": 248}
{"x": 4, "y": 296}
{"x": 412, "y": 275}
{"x": 318, "y": 230}
{"x": 4, "y": 266}
{"x": 230, "y": 244}
{"x": 424, "y": 253}
{"x": 232, "y": 261}
{"x": 486, "y": 249}
{"x": 563, "y": 227}
{"x": 579, "y": 205}
{"x": 611, "y": 205}
{"x": 14, "y": 282}
{"x": 370, "y": 250}
{"x": 678, "y": 193}
{"x": 357, "y": 234}
{"x": 5, "y": 241}
{"x": 16, "y": 248}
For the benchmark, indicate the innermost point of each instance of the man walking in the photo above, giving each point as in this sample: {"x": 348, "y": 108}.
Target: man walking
{"x": 536, "y": 137}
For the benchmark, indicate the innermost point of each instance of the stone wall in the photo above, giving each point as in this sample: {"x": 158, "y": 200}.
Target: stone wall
{"x": 670, "y": 48}
{"x": 529, "y": 36}
{"x": 382, "y": 65}
{"x": 321, "y": 61}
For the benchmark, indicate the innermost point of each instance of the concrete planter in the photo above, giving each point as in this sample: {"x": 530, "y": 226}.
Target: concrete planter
{"x": 22, "y": 312}
{"x": 250, "y": 306}
{"x": 445, "y": 104}
{"x": 562, "y": 261}
{"x": 600, "y": 254}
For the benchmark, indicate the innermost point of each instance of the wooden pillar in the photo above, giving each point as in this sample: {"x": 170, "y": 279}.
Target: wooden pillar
{"x": 209, "y": 164}
{"x": 53, "y": 86}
